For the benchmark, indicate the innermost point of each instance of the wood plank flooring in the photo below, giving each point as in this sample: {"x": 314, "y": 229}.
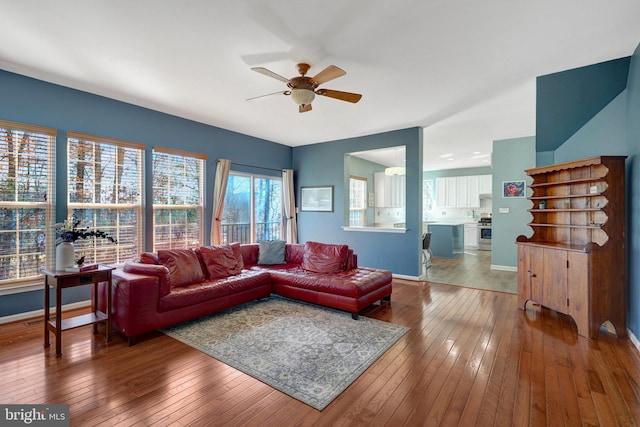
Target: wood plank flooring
{"x": 470, "y": 358}
{"x": 471, "y": 268}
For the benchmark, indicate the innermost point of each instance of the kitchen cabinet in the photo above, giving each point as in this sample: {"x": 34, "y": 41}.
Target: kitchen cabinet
{"x": 471, "y": 236}
{"x": 447, "y": 191}
{"x": 461, "y": 191}
{"x": 472, "y": 196}
{"x": 390, "y": 190}
{"x": 485, "y": 185}
{"x": 575, "y": 261}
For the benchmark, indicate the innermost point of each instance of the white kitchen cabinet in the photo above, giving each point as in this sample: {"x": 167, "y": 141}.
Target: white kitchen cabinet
{"x": 459, "y": 191}
{"x": 452, "y": 191}
{"x": 390, "y": 190}
{"x": 473, "y": 192}
{"x": 441, "y": 192}
{"x": 484, "y": 184}
{"x": 471, "y": 236}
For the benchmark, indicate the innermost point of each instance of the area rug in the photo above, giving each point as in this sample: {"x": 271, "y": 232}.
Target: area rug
{"x": 309, "y": 352}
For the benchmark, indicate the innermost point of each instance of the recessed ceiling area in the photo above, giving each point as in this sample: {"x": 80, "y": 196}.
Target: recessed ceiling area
{"x": 464, "y": 71}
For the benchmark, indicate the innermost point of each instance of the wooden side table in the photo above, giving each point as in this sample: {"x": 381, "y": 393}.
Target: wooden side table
{"x": 60, "y": 280}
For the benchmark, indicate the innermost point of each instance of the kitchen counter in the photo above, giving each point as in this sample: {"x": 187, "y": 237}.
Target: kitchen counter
{"x": 447, "y": 238}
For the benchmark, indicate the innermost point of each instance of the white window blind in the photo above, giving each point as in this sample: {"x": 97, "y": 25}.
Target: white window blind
{"x": 105, "y": 181}
{"x": 178, "y": 188}
{"x": 27, "y": 192}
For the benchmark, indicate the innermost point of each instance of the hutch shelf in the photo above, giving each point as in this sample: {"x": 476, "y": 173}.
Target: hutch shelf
{"x": 575, "y": 260}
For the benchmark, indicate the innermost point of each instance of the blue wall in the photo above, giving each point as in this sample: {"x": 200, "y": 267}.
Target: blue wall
{"x": 26, "y": 100}
{"x": 633, "y": 191}
{"x": 615, "y": 130}
{"x": 510, "y": 159}
{"x": 323, "y": 164}
{"x": 566, "y": 101}
{"x": 609, "y": 125}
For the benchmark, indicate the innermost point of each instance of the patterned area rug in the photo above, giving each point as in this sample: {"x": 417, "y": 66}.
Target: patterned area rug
{"x": 309, "y": 352}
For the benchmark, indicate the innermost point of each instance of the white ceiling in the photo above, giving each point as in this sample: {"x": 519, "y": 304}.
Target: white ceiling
{"x": 462, "y": 69}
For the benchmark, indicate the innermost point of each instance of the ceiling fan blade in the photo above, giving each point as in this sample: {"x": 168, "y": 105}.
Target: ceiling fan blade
{"x": 286, "y": 92}
{"x": 329, "y": 73}
{"x": 270, "y": 73}
{"x": 304, "y": 108}
{"x": 343, "y": 96}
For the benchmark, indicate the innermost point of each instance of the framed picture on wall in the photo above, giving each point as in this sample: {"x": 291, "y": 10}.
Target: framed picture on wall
{"x": 316, "y": 199}
{"x": 512, "y": 189}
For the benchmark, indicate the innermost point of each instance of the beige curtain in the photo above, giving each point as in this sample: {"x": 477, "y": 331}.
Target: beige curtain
{"x": 219, "y": 191}
{"x": 291, "y": 226}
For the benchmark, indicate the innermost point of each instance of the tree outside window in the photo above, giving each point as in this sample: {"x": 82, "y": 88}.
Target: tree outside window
{"x": 252, "y": 209}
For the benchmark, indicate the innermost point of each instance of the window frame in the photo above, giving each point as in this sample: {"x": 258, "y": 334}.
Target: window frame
{"x": 252, "y": 202}
{"x": 19, "y": 283}
{"x": 201, "y": 159}
{"x": 123, "y": 250}
{"x": 363, "y": 210}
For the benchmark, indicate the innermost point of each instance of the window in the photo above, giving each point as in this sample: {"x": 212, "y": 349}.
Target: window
{"x": 105, "y": 192}
{"x": 252, "y": 209}
{"x": 178, "y": 188}
{"x": 427, "y": 197}
{"x": 27, "y": 190}
{"x": 357, "y": 201}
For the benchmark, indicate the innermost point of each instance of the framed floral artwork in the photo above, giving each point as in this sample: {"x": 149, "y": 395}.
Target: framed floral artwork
{"x": 512, "y": 189}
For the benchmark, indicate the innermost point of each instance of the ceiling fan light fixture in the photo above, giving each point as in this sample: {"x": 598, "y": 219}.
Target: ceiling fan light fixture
{"x": 302, "y": 96}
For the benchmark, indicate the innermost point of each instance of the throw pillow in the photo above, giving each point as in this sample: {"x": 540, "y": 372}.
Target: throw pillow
{"x": 219, "y": 261}
{"x": 324, "y": 258}
{"x": 184, "y": 266}
{"x": 237, "y": 252}
{"x": 271, "y": 252}
{"x": 149, "y": 258}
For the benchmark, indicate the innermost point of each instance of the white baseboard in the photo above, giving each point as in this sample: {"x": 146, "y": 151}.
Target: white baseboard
{"x": 503, "y": 267}
{"x": 634, "y": 339}
{"x": 405, "y": 277}
{"x": 40, "y": 313}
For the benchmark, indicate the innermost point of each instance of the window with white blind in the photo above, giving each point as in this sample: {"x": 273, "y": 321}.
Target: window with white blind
{"x": 178, "y": 189}
{"x": 105, "y": 181}
{"x": 357, "y": 201}
{"x": 27, "y": 192}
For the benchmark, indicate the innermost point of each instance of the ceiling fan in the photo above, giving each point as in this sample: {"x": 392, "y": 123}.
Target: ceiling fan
{"x": 303, "y": 89}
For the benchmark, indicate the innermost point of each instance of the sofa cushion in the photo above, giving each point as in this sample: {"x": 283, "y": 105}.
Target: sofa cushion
{"x": 352, "y": 283}
{"x": 219, "y": 261}
{"x": 227, "y": 287}
{"x": 271, "y": 252}
{"x": 184, "y": 266}
{"x": 325, "y": 258}
{"x": 294, "y": 253}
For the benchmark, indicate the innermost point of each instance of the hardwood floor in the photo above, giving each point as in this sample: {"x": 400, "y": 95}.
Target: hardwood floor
{"x": 472, "y": 268}
{"x": 470, "y": 358}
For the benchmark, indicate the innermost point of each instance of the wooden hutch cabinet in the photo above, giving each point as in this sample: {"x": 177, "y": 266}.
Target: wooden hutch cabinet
{"x": 575, "y": 261}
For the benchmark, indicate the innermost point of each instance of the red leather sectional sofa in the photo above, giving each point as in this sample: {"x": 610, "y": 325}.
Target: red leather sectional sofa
{"x": 173, "y": 286}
